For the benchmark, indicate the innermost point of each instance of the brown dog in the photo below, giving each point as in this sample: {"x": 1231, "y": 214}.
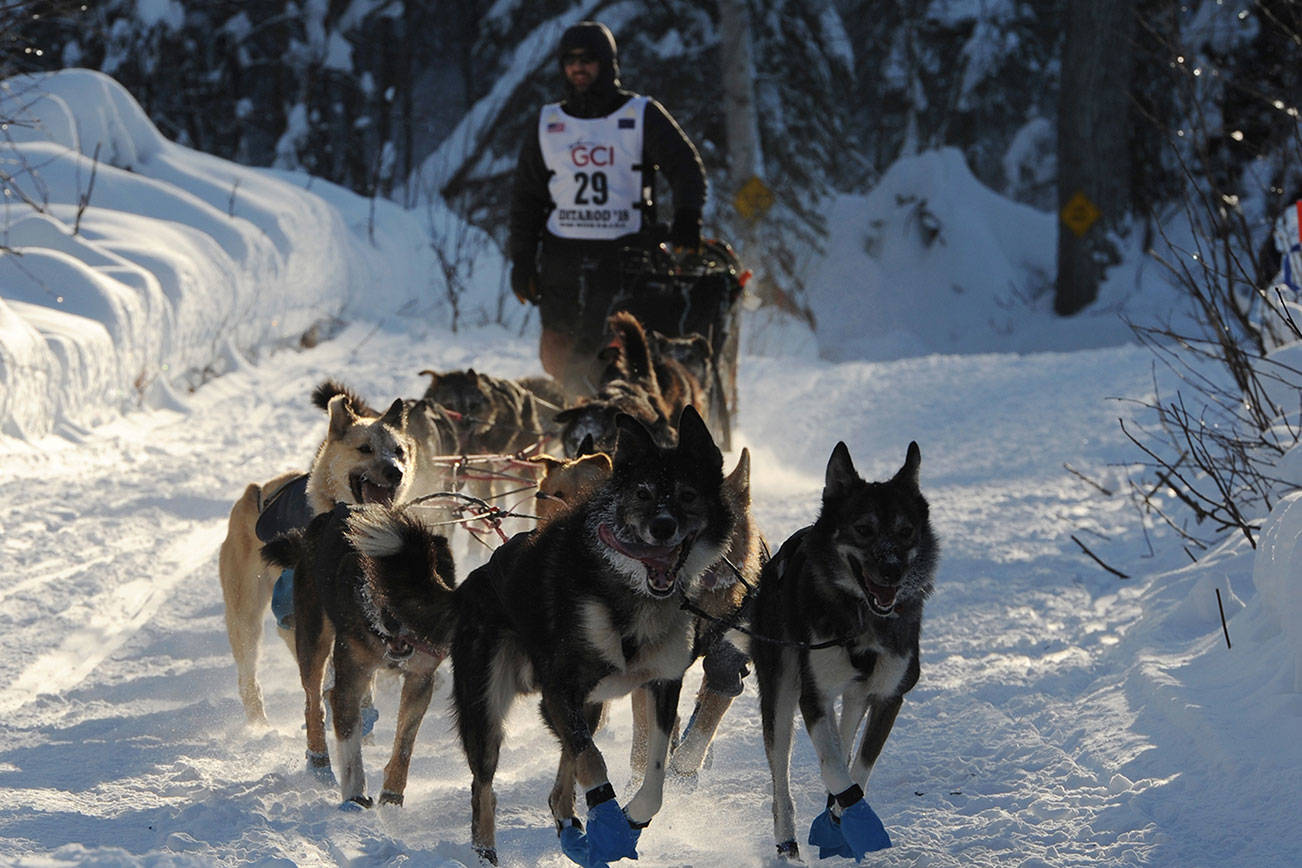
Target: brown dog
{"x": 690, "y": 359}
{"x": 566, "y": 482}
{"x": 629, "y": 386}
{"x": 247, "y": 582}
{"x": 336, "y": 620}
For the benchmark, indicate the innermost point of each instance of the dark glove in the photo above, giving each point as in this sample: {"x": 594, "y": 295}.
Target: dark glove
{"x": 685, "y": 233}
{"x": 524, "y": 283}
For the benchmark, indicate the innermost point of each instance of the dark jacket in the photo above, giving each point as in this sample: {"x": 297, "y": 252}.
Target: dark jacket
{"x": 666, "y": 149}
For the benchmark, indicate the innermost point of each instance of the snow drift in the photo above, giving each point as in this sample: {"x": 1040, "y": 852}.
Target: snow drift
{"x": 174, "y": 261}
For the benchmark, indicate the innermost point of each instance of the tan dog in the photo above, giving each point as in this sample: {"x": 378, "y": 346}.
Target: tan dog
{"x": 365, "y": 457}
{"x": 567, "y": 482}
{"x": 247, "y": 582}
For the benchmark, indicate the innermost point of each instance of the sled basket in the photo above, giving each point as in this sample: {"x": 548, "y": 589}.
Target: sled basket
{"x": 699, "y": 292}
{"x": 678, "y": 296}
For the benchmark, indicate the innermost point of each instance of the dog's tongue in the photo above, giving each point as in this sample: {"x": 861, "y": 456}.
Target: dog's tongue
{"x": 660, "y": 571}
{"x": 658, "y": 560}
{"x": 885, "y": 596}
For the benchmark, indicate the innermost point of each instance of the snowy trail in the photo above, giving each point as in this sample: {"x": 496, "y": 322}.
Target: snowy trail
{"x": 112, "y": 620}
{"x": 124, "y": 733}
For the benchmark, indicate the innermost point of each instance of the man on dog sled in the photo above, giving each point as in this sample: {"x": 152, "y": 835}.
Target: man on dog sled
{"x": 583, "y": 193}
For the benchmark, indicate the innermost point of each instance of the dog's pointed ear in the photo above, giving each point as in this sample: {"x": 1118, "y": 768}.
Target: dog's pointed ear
{"x": 341, "y": 414}
{"x": 738, "y": 481}
{"x": 841, "y": 474}
{"x": 548, "y": 462}
{"x": 632, "y": 439}
{"x": 912, "y": 461}
{"x": 694, "y": 438}
{"x": 567, "y": 414}
{"x": 587, "y": 447}
{"x": 396, "y": 415}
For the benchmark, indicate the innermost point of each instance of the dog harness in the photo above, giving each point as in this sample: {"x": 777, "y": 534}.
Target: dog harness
{"x": 596, "y": 171}
{"x": 286, "y": 510}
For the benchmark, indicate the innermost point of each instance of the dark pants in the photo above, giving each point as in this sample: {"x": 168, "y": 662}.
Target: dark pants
{"x": 579, "y": 283}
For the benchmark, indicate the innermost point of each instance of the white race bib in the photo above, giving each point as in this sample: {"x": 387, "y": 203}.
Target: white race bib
{"x": 594, "y": 182}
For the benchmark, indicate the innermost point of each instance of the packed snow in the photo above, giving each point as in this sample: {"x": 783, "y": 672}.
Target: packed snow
{"x": 152, "y": 364}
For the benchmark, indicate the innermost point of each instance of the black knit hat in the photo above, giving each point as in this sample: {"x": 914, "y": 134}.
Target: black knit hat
{"x": 596, "y": 39}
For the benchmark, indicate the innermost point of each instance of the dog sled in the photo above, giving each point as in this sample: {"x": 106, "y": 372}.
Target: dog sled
{"x": 693, "y": 293}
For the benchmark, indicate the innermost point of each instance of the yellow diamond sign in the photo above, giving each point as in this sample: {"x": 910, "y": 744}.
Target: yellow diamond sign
{"x": 1080, "y": 213}
{"x": 754, "y": 199}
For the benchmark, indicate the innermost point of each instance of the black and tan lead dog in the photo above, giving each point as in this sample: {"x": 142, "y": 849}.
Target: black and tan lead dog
{"x": 583, "y": 611}
{"x": 838, "y": 617}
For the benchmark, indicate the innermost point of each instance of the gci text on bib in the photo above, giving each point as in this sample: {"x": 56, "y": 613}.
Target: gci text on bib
{"x": 596, "y": 180}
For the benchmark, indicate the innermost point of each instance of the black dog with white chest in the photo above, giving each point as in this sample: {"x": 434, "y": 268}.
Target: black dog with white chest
{"x": 838, "y": 615}
{"x": 582, "y": 611}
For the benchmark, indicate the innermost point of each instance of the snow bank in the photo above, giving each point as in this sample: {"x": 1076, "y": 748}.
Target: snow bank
{"x": 174, "y": 257}
{"x": 933, "y": 261}
{"x": 1278, "y": 582}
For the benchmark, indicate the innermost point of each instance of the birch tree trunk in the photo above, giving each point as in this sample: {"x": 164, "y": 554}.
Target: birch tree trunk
{"x": 741, "y": 118}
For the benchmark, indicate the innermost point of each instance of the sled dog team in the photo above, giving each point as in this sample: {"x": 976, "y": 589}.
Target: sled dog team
{"x": 645, "y": 558}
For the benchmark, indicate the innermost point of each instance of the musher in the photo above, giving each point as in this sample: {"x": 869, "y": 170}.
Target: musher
{"x": 583, "y": 191}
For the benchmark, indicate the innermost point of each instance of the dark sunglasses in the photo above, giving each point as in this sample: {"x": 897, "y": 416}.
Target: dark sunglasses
{"x": 579, "y": 57}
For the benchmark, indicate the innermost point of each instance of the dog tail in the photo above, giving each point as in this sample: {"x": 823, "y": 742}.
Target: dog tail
{"x": 285, "y": 551}
{"x": 408, "y": 569}
{"x": 322, "y": 394}
{"x": 635, "y": 359}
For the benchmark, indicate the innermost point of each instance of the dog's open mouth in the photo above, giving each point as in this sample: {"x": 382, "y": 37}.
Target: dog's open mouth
{"x": 366, "y": 491}
{"x": 661, "y": 562}
{"x": 881, "y": 598}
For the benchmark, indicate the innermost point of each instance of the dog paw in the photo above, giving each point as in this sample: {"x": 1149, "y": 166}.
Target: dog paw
{"x": 318, "y": 766}
{"x": 862, "y": 830}
{"x": 610, "y": 837}
{"x": 789, "y": 853}
{"x": 388, "y": 798}
{"x": 357, "y": 804}
{"x": 684, "y": 781}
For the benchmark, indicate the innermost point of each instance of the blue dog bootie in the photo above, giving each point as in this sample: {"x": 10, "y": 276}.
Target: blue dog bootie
{"x": 825, "y": 834}
{"x": 282, "y": 600}
{"x": 574, "y": 844}
{"x": 863, "y": 830}
{"x": 610, "y": 837}
{"x": 855, "y": 833}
